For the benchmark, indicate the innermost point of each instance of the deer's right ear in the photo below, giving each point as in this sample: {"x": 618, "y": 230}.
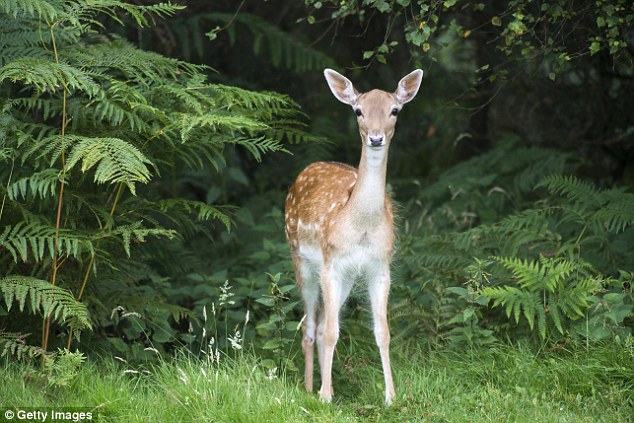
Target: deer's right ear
{"x": 341, "y": 87}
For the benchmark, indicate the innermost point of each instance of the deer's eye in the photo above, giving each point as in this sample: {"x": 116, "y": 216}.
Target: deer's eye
{"x": 394, "y": 112}
{"x": 358, "y": 112}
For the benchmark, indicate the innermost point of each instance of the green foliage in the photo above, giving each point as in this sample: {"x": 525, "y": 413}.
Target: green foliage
{"x": 284, "y": 50}
{"x": 465, "y": 325}
{"x": 602, "y": 211}
{"x": 479, "y": 385}
{"x": 279, "y": 332}
{"x": 119, "y": 165}
{"x": 519, "y": 29}
{"x": 94, "y": 133}
{"x": 548, "y": 259}
{"x": 14, "y": 344}
{"x": 557, "y": 288}
{"x": 28, "y": 242}
{"x": 50, "y": 300}
{"x": 62, "y": 367}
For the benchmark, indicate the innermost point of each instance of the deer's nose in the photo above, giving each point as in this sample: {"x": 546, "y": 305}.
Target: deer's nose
{"x": 376, "y": 140}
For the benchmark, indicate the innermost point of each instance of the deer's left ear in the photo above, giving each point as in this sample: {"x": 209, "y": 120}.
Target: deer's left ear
{"x": 408, "y": 86}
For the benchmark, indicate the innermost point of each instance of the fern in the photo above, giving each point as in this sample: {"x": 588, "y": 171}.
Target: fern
{"x": 259, "y": 146}
{"x": 611, "y": 209}
{"x": 44, "y": 9}
{"x": 115, "y": 160}
{"x": 134, "y": 122}
{"x": 231, "y": 97}
{"x": 217, "y": 122}
{"x": 50, "y": 300}
{"x": 545, "y": 274}
{"x": 550, "y": 239}
{"x": 61, "y": 367}
{"x": 557, "y": 288}
{"x": 202, "y": 210}
{"x": 48, "y": 76}
{"x": 138, "y": 233}
{"x": 617, "y": 213}
{"x": 41, "y": 184}
{"x": 14, "y": 344}
{"x": 24, "y": 241}
{"x": 584, "y": 194}
{"x": 112, "y": 8}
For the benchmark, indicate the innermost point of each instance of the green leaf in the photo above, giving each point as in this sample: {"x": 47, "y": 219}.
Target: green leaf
{"x": 46, "y": 75}
{"x": 46, "y": 298}
{"x": 272, "y": 344}
{"x": 468, "y": 313}
{"x": 267, "y": 301}
{"x": 114, "y": 160}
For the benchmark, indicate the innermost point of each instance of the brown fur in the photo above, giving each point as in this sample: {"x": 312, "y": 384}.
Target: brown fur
{"x": 340, "y": 219}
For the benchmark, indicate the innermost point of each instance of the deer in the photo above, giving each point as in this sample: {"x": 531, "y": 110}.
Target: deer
{"x": 340, "y": 228}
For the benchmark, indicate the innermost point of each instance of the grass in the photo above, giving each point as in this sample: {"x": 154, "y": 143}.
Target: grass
{"x": 501, "y": 383}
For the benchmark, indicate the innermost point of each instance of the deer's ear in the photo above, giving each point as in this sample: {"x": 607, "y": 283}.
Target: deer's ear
{"x": 408, "y": 86}
{"x": 341, "y": 87}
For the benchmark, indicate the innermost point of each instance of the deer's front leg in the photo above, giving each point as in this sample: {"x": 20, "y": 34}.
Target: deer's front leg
{"x": 379, "y": 289}
{"x": 332, "y": 294}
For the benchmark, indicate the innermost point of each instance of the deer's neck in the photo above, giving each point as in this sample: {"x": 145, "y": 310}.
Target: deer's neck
{"x": 368, "y": 196}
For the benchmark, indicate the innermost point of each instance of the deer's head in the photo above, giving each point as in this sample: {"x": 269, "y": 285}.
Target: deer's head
{"x": 376, "y": 110}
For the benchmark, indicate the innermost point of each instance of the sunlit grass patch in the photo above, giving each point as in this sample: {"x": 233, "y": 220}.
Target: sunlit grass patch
{"x": 500, "y": 383}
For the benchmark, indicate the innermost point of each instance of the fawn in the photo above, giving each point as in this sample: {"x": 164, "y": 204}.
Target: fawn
{"x": 340, "y": 228}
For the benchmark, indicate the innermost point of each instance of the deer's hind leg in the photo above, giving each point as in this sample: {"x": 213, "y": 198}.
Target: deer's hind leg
{"x": 308, "y": 281}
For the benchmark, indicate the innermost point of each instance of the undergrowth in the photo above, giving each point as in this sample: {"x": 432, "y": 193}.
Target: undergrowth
{"x": 509, "y": 383}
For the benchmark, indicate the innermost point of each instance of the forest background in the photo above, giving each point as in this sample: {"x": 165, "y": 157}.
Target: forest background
{"x": 146, "y": 150}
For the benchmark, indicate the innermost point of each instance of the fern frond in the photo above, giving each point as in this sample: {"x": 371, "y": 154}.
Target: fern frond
{"x": 41, "y": 184}
{"x": 118, "y": 104}
{"x": 146, "y": 68}
{"x": 204, "y": 211}
{"x": 219, "y": 122}
{"x": 235, "y": 97}
{"x": 114, "y": 159}
{"x": 260, "y": 145}
{"x": 617, "y": 213}
{"x": 50, "y": 300}
{"x": 517, "y": 303}
{"x": 47, "y": 75}
{"x": 14, "y": 344}
{"x": 583, "y": 193}
{"x": 574, "y": 300}
{"x": 138, "y": 233}
{"x": 23, "y": 240}
{"x": 84, "y": 10}
{"x": 45, "y": 10}
{"x": 547, "y": 273}
{"x": 285, "y": 50}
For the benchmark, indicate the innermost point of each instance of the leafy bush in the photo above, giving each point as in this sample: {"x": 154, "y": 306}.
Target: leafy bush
{"x": 550, "y": 256}
{"x": 96, "y": 137}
